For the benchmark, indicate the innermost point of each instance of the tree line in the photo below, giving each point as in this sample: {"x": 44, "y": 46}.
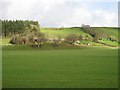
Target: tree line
{"x": 13, "y": 27}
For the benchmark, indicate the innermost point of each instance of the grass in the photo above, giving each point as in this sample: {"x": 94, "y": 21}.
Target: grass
{"x": 66, "y": 66}
{"x": 27, "y": 67}
{"x": 107, "y": 42}
{"x": 66, "y": 31}
{"x": 4, "y": 41}
{"x": 109, "y": 31}
{"x": 63, "y": 33}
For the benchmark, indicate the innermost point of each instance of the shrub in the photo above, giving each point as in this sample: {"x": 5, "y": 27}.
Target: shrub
{"x": 89, "y": 30}
{"x": 112, "y": 38}
{"x": 71, "y": 39}
{"x": 15, "y": 40}
{"x": 40, "y": 39}
{"x": 33, "y": 38}
{"x": 55, "y": 42}
{"x": 81, "y": 37}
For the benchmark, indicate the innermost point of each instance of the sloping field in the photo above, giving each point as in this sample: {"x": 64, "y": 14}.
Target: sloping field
{"x": 108, "y": 30}
{"x": 66, "y": 31}
{"x": 63, "y": 32}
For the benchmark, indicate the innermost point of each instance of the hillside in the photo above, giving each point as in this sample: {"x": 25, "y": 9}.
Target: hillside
{"x": 54, "y": 32}
{"x": 64, "y": 32}
{"x": 108, "y": 30}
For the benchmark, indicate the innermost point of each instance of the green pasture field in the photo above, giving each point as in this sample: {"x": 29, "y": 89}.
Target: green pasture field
{"x": 51, "y": 33}
{"x": 108, "y": 30}
{"x": 47, "y": 67}
{"x": 115, "y": 44}
{"x": 66, "y": 31}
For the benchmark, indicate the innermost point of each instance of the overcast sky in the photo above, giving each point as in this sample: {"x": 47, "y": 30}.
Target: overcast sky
{"x": 58, "y": 13}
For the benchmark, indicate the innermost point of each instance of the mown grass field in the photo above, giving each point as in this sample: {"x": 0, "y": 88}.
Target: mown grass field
{"x": 65, "y": 66}
{"x": 27, "y": 67}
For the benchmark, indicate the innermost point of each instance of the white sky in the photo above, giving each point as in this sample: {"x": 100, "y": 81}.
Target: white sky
{"x": 58, "y": 13}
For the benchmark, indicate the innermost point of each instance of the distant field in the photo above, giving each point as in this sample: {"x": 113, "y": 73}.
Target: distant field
{"x": 52, "y": 33}
{"x": 66, "y": 31}
{"x": 63, "y": 33}
{"x": 110, "y": 31}
{"x": 27, "y": 67}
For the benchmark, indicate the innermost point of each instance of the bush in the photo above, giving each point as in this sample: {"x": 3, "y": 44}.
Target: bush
{"x": 89, "y": 30}
{"x": 71, "y": 39}
{"x": 39, "y": 39}
{"x": 112, "y": 38}
{"x": 81, "y": 37}
{"x": 55, "y": 42}
{"x": 15, "y": 39}
{"x": 32, "y": 38}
